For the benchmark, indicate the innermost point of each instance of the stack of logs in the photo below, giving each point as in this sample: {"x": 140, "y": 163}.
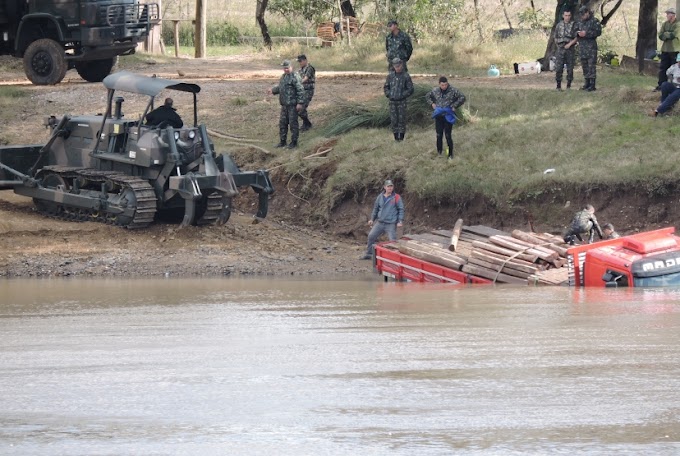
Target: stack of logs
{"x": 519, "y": 257}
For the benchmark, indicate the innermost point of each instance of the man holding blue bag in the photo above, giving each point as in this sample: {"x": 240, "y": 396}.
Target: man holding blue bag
{"x": 445, "y": 99}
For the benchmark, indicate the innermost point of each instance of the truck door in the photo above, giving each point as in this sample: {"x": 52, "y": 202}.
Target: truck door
{"x": 67, "y": 10}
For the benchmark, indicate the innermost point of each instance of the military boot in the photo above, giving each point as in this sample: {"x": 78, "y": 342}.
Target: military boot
{"x": 401, "y": 136}
{"x": 293, "y": 144}
{"x": 559, "y": 86}
{"x": 568, "y": 83}
{"x": 586, "y": 84}
{"x": 396, "y": 136}
{"x": 281, "y": 143}
{"x": 591, "y": 88}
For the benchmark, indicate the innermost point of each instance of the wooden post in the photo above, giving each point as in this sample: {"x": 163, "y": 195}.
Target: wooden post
{"x": 456, "y": 234}
{"x": 200, "y": 31}
{"x": 349, "y": 35}
{"x": 340, "y": 12}
{"x": 175, "y": 25}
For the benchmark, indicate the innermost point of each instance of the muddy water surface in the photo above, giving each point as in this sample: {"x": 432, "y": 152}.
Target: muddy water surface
{"x": 265, "y": 367}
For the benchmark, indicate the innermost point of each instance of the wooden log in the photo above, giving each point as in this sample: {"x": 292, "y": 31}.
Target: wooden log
{"x": 540, "y": 248}
{"x": 455, "y": 235}
{"x": 533, "y": 239}
{"x": 519, "y": 246}
{"x": 429, "y": 239}
{"x": 488, "y": 274}
{"x": 484, "y": 231}
{"x": 495, "y": 268}
{"x": 500, "y": 260}
{"x": 441, "y": 257}
{"x": 507, "y": 252}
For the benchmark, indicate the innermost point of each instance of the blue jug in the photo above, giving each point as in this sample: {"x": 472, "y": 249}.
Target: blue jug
{"x": 493, "y": 72}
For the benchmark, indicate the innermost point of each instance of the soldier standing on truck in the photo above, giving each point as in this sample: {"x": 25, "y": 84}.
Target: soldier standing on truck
{"x": 584, "y": 221}
{"x": 292, "y": 99}
{"x": 587, "y": 31}
{"x": 387, "y": 215}
{"x": 565, "y": 39}
{"x": 397, "y": 46}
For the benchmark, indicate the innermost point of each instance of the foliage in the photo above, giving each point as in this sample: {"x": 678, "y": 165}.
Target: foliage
{"x": 308, "y": 10}
{"x": 535, "y": 19}
{"x": 376, "y": 114}
{"x": 219, "y": 33}
{"x": 430, "y": 17}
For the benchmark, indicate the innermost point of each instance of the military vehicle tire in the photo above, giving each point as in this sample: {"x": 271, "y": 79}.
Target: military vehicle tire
{"x": 44, "y": 62}
{"x": 96, "y": 70}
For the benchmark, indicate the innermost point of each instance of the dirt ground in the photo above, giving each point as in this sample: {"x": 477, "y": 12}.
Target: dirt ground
{"x": 34, "y": 246}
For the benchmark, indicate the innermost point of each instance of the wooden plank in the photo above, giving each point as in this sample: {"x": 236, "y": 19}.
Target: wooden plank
{"x": 487, "y": 274}
{"x": 532, "y": 239}
{"x": 433, "y": 241}
{"x": 456, "y": 234}
{"x": 507, "y": 252}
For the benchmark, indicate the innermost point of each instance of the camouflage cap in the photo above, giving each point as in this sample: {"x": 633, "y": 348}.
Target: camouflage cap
{"x": 670, "y": 11}
{"x": 285, "y": 63}
{"x": 396, "y": 61}
{"x": 583, "y": 10}
{"x": 388, "y": 182}
{"x": 392, "y": 22}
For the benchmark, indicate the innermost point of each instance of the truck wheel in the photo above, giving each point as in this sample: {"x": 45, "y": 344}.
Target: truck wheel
{"x": 95, "y": 70}
{"x": 44, "y": 62}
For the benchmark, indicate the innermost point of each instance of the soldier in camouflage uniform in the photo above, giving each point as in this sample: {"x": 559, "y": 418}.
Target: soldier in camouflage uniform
{"x": 584, "y": 221}
{"x": 398, "y": 87}
{"x": 292, "y": 99}
{"x": 565, "y": 39}
{"x": 587, "y": 31}
{"x": 397, "y": 45}
{"x": 307, "y": 75}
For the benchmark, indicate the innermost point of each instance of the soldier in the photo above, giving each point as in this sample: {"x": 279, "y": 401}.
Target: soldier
{"x": 307, "y": 74}
{"x": 609, "y": 233}
{"x": 584, "y": 221}
{"x": 670, "y": 35}
{"x": 565, "y": 39}
{"x": 165, "y": 114}
{"x": 292, "y": 99}
{"x": 587, "y": 31}
{"x": 388, "y": 214}
{"x": 445, "y": 100}
{"x": 398, "y": 87}
{"x": 397, "y": 45}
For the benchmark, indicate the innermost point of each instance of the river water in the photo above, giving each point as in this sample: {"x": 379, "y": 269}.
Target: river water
{"x": 335, "y": 367}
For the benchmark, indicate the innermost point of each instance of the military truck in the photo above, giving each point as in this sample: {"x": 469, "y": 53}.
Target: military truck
{"x": 54, "y": 36}
{"x": 111, "y": 169}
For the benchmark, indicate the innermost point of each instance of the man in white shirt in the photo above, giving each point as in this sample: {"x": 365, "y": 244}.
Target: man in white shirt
{"x": 670, "y": 90}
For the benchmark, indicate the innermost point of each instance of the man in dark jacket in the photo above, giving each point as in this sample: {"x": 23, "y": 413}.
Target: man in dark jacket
{"x": 398, "y": 87}
{"x": 445, "y": 100}
{"x": 164, "y": 114}
{"x": 584, "y": 221}
{"x": 387, "y": 215}
{"x": 308, "y": 78}
{"x": 292, "y": 99}
{"x": 397, "y": 46}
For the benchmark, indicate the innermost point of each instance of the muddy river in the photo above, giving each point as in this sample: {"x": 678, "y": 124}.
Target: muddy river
{"x": 335, "y": 367}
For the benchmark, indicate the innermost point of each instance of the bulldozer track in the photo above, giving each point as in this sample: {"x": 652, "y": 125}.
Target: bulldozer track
{"x": 212, "y": 211}
{"x": 142, "y": 194}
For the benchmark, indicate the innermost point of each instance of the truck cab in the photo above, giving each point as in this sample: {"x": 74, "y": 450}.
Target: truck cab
{"x": 648, "y": 259}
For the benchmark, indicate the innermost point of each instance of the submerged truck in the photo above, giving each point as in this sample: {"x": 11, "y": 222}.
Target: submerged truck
{"x": 646, "y": 259}
{"x": 54, "y": 36}
{"x": 121, "y": 171}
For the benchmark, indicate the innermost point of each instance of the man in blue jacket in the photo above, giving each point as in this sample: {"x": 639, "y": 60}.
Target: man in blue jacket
{"x": 444, "y": 101}
{"x": 387, "y": 215}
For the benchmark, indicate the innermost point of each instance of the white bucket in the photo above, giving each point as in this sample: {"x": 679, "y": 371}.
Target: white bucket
{"x": 528, "y": 68}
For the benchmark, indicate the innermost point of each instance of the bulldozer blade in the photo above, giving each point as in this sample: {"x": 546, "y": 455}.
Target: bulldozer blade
{"x": 189, "y": 213}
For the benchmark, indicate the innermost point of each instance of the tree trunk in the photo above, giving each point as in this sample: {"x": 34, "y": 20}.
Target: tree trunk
{"x": 259, "y": 17}
{"x": 479, "y": 24}
{"x": 200, "y": 35}
{"x": 646, "y": 37}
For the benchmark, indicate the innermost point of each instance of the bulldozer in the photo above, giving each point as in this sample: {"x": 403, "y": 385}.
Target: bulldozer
{"x": 124, "y": 172}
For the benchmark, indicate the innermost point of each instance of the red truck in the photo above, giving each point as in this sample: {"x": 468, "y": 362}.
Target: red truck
{"x": 647, "y": 259}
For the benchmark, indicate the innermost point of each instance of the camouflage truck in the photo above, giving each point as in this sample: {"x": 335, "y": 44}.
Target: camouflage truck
{"x": 53, "y": 36}
{"x": 122, "y": 171}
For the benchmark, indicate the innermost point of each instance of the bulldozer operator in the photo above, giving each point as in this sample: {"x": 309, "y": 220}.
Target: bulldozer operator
{"x": 584, "y": 221}
{"x": 164, "y": 115}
